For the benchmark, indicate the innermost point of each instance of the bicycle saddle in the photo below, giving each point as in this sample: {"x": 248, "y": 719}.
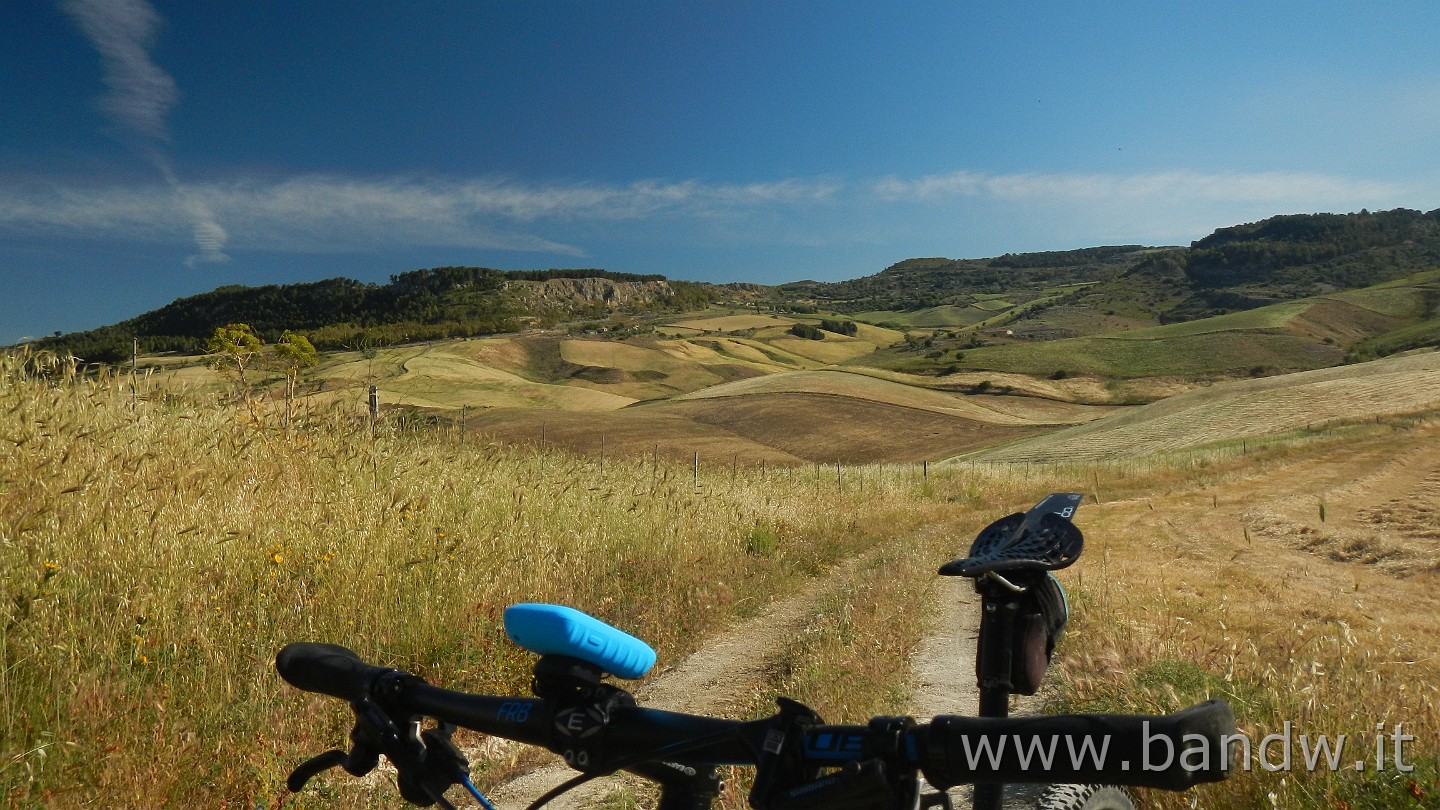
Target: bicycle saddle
{"x": 1042, "y": 539}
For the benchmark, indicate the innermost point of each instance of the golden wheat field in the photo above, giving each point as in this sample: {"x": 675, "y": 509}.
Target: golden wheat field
{"x": 158, "y": 546}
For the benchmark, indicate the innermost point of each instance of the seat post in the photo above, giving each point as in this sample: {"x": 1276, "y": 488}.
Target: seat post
{"x": 995, "y": 650}
{"x": 994, "y": 658}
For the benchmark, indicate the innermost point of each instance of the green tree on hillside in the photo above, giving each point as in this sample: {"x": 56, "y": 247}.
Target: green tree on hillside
{"x": 233, "y": 347}
{"x": 293, "y": 352}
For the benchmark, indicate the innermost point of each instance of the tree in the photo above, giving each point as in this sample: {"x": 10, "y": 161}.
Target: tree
{"x": 293, "y": 352}
{"x": 233, "y": 346}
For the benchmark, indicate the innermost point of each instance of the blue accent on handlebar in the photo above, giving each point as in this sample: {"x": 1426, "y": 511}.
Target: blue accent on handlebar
{"x": 559, "y": 630}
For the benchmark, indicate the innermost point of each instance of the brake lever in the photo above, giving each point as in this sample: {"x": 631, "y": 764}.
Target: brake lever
{"x": 312, "y": 767}
{"x": 373, "y": 731}
{"x": 427, "y": 764}
{"x": 360, "y": 761}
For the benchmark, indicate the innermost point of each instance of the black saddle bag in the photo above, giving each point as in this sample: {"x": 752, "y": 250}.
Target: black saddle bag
{"x": 1038, "y": 626}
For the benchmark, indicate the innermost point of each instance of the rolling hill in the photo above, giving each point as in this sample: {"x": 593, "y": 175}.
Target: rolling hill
{"x": 1235, "y": 411}
{"x": 928, "y": 359}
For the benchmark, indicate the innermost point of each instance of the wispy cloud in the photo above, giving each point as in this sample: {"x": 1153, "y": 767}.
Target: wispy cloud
{"x": 1256, "y": 187}
{"x": 327, "y": 214}
{"x": 123, "y": 31}
{"x": 330, "y": 214}
{"x": 140, "y": 98}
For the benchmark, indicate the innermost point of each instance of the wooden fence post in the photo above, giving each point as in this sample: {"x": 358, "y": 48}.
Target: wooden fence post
{"x": 374, "y": 409}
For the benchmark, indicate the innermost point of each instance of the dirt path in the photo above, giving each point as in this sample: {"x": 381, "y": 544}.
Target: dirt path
{"x": 1370, "y": 493}
{"x": 723, "y": 678}
{"x": 942, "y": 676}
{"x": 720, "y": 679}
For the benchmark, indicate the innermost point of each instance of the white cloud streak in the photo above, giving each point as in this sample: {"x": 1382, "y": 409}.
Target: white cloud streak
{"x": 327, "y": 214}
{"x": 123, "y": 31}
{"x": 140, "y": 99}
{"x": 1258, "y": 187}
{"x": 332, "y": 214}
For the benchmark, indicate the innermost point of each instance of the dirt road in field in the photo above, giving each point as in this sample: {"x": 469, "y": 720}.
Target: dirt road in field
{"x": 724, "y": 677}
{"x": 1364, "y": 513}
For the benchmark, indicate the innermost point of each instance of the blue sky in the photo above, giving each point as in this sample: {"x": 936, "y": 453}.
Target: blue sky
{"x": 152, "y": 150}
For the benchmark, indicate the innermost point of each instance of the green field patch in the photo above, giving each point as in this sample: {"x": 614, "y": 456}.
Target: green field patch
{"x": 1198, "y": 354}
{"x": 828, "y": 351}
{"x": 1396, "y": 300}
{"x": 993, "y": 305}
{"x": 930, "y": 317}
{"x": 1275, "y": 316}
{"x": 1426, "y": 333}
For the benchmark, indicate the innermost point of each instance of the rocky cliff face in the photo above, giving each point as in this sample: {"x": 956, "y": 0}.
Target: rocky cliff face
{"x": 566, "y": 293}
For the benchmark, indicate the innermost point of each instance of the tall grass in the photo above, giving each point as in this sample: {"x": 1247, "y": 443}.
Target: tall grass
{"x": 1178, "y": 600}
{"x": 156, "y": 551}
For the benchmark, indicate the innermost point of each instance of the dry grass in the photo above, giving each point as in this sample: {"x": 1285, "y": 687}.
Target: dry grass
{"x": 735, "y": 323}
{"x": 154, "y": 554}
{"x": 1196, "y": 591}
{"x": 1010, "y": 411}
{"x": 1234, "y": 411}
{"x": 833, "y": 349}
{"x": 155, "y": 557}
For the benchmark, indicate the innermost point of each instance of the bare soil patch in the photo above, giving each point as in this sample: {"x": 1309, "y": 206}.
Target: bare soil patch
{"x": 771, "y": 428}
{"x": 828, "y": 428}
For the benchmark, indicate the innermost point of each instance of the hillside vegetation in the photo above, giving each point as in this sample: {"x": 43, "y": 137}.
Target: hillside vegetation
{"x": 1037, "y": 296}
{"x": 419, "y": 305}
{"x": 1293, "y": 335}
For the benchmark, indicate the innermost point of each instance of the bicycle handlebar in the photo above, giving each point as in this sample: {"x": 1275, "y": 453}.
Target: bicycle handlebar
{"x": 328, "y": 669}
{"x": 1173, "y": 752}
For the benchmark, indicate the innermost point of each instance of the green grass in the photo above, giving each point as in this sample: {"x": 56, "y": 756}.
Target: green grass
{"x": 930, "y": 317}
{"x": 1197, "y": 354}
{"x": 1276, "y": 316}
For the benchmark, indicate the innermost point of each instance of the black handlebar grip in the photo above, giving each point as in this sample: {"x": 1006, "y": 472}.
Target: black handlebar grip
{"x": 327, "y": 669}
{"x": 1174, "y": 752}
